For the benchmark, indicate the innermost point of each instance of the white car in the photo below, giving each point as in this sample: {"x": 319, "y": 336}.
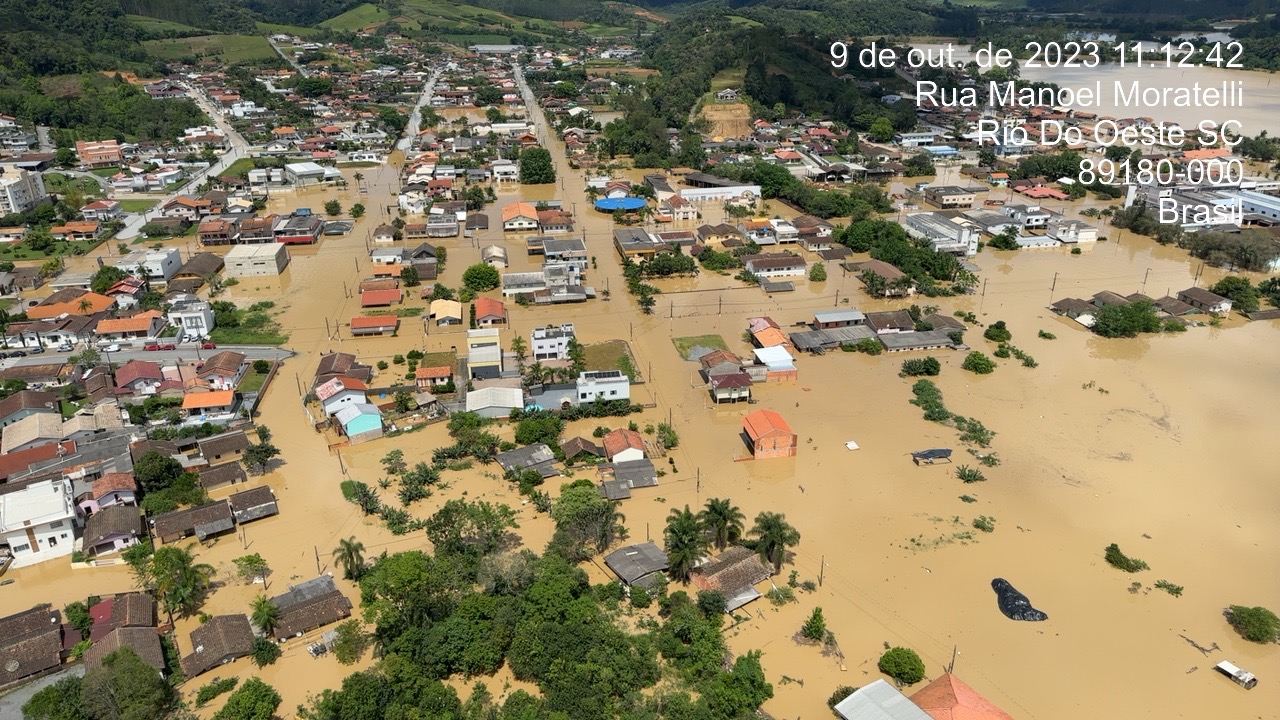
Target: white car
{"x": 111, "y": 348}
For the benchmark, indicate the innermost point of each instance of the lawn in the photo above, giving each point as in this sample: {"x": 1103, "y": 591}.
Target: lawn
{"x": 137, "y": 206}
{"x": 356, "y": 18}
{"x": 610, "y": 355}
{"x": 358, "y": 164}
{"x": 272, "y": 29}
{"x": 685, "y": 344}
{"x": 105, "y": 172}
{"x": 68, "y": 408}
{"x": 57, "y": 183}
{"x": 404, "y": 312}
{"x": 728, "y": 78}
{"x": 23, "y": 251}
{"x": 239, "y": 168}
{"x": 251, "y": 382}
{"x": 439, "y": 359}
{"x": 243, "y": 336}
{"x": 228, "y": 48}
{"x": 739, "y": 20}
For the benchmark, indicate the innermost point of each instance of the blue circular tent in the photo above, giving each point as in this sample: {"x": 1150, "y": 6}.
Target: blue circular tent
{"x": 626, "y": 204}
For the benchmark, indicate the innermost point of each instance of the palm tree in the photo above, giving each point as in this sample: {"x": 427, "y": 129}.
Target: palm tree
{"x": 773, "y": 536}
{"x": 722, "y": 520}
{"x": 265, "y": 614}
{"x": 85, "y": 306}
{"x": 359, "y": 177}
{"x": 685, "y": 543}
{"x": 535, "y": 373}
{"x": 178, "y": 580}
{"x": 350, "y": 555}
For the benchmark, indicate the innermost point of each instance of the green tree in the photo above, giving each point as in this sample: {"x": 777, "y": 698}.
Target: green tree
{"x": 65, "y": 157}
{"x": 251, "y": 567}
{"x": 78, "y": 617}
{"x": 254, "y": 700}
{"x": 685, "y": 541}
{"x": 818, "y": 273}
{"x": 333, "y": 207}
{"x": 174, "y": 577}
{"x": 815, "y": 628}
{"x": 357, "y": 211}
{"x": 903, "y": 665}
{"x": 124, "y": 687}
{"x": 997, "y": 332}
{"x": 409, "y": 276}
{"x": 59, "y": 701}
{"x": 1240, "y": 291}
{"x": 265, "y": 652}
{"x": 265, "y": 615}
{"x": 393, "y": 462}
{"x": 478, "y": 528}
{"x": 106, "y": 276}
{"x": 260, "y": 456}
{"x": 1255, "y": 624}
{"x": 1006, "y": 240}
{"x": 350, "y": 556}
{"x": 723, "y": 521}
{"x": 520, "y": 350}
{"x": 351, "y": 642}
{"x": 1127, "y": 320}
{"x": 987, "y": 158}
{"x": 921, "y": 366}
{"x": 154, "y": 471}
{"x": 881, "y": 130}
{"x": 978, "y": 363}
{"x": 772, "y": 536}
{"x": 583, "y": 516}
{"x": 481, "y": 277}
{"x": 536, "y": 167}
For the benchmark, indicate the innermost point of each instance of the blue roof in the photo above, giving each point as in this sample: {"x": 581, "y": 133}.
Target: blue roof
{"x": 940, "y": 150}
{"x": 623, "y": 203}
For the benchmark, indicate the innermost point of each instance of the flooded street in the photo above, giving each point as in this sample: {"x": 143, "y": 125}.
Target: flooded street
{"x": 1161, "y": 444}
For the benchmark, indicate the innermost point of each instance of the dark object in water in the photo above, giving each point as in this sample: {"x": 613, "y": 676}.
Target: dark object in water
{"x": 1014, "y": 604}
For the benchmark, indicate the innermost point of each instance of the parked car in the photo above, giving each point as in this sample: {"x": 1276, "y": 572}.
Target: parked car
{"x": 66, "y": 347}
{"x": 111, "y": 348}
{"x": 208, "y": 346}
{"x": 3, "y": 355}
{"x": 151, "y": 348}
{"x": 168, "y": 346}
{"x": 37, "y": 350}
{"x": 17, "y": 353}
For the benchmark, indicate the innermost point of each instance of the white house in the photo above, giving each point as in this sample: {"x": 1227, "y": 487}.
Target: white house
{"x": 495, "y": 402}
{"x": 154, "y": 265}
{"x": 194, "y": 318}
{"x": 37, "y": 522}
{"x": 1071, "y": 231}
{"x": 603, "y": 385}
{"x": 340, "y": 392}
{"x": 552, "y": 342}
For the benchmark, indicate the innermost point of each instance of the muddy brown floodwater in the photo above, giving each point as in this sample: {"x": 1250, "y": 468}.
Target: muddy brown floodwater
{"x": 1161, "y": 444}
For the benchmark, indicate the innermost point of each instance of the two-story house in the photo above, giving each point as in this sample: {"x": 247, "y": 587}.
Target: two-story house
{"x": 195, "y": 319}
{"x": 37, "y": 522}
{"x": 223, "y": 370}
{"x": 552, "y": 342}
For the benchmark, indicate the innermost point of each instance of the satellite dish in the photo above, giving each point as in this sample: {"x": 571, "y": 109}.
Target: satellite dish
{"x": 11, "y": 666}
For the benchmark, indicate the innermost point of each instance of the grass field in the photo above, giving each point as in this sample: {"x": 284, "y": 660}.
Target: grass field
{"x": 105, "y": 172}
{"x": 158, "y": 25}
{"x": 239, "y": 168}
{"x": 357, "y": 17}
{"x": 23, "y": 251}
{"x": 439, "y": 359}
{"x": 271, "y": 28}
{"x": 57, "y": 183}
{"x": 685, "y": 344}
{"x": 739, "y": 20}
{"x": 228, "y": 48}
{"x": 728, "y": 78}
{"x": 610, "y": 355}
{"x": 137, "y": 206}
{"x": 251, "y": 382}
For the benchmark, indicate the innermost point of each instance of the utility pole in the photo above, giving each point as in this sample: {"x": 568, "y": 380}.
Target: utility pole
{"x": 837, "y": 302}
{"x": 297, "y": 381}
{"x": 1051, "y": 287}
{"x": 822, "y": 570}
{"x": 1144, "y": 280}
{"x": 317, "y": 550}
{"x": 983, "y": 300}
{"x": 720, "y": 308}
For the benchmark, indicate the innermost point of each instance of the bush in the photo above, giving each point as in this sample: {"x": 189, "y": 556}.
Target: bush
{"x": 261, "y": 366}
{"x": 667, "y": 435}
{"x": 382, "y": 365}
{"x": 1255, "y": 624}
{"x": 903, "y": 665}
{"x": 976, "y": 362}
{"x": 969, "y": 475}
{"x": 815, "y": 628}
{"x": 640, "y": 598}
{"x": 984, "y": 523}
{"x": 781, "y": 595}
{"x": 1076, "y": 251}
{"x": 818, "y": 273}
{"x": 997, "y": 332}
{"x": 214, "y": 689}
{"x": 1046, "y": 335}
{"x": 870, "y": 346}
{"x": 1165, "y": 585}
{"x": 921, "y": 366}
{"x": 481, "y": 277}
{"x": 1120, "y": 561}
{"x": 841, "y": 693}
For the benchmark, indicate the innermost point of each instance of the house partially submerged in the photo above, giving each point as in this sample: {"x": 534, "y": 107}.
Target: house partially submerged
{"x": 768, "y": 435}
{"x": 537, "y": 457}
{"x": 881, "y": 701}
{"x": 203, "y": 521}
{"x": 638, "y": 565}
{"x": 735, "y": 573}
{"x": 143, "y": 641}
{"x": 30, "y": 643}
{"x": 217, "y": 642}
{"x": 253, "y": 504}
{"x": 618, "y": 479}
{"x": 312, "y": 604}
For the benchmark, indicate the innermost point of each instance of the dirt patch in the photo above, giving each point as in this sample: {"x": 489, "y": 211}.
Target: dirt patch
{"x": 131, "y": 78}
{"x": 728, "y": 119}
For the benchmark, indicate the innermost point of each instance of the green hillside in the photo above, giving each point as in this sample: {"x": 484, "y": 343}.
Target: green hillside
{"x": 357, "y": 18}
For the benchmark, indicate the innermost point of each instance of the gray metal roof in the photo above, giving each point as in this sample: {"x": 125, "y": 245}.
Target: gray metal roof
{"x": 849, "y": 316}
{"x": 879, "y": 701}
{"x": 305, "y": 592}
{"x": 633, "y": 562}
{"x": 922, "y": 339}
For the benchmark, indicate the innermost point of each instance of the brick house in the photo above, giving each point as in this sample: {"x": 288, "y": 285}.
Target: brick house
{"x": 768, "y": 435}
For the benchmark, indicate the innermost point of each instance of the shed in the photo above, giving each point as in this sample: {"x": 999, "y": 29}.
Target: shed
{"x": 637, "y": 564}
{"x": 880, "y": 701}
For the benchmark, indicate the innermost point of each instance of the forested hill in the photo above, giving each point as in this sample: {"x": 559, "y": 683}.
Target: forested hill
{"x": 239, "y": 15}
{"x": 58, "y": 37}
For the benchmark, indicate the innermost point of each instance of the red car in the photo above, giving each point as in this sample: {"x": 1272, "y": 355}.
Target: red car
{"x": 169, "y": 346}
{"x": 208, "y": 346}
{"x": 151, "y": 348}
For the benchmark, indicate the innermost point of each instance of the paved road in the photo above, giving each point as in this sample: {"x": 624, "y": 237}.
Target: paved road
{"x": 415, "y": 117}
{"x": 11, "y": 704}
{"x": 287, "y": 58}
{"x": 189, "y": 351}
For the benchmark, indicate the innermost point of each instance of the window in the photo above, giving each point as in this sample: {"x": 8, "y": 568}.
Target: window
{"x": 53, "y": 541}
{"x": 55, "y": 524}
{"x": 21, "y": 548}
{"x": 63, "y": 536}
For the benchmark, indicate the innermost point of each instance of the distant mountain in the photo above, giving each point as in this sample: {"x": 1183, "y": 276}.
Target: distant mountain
{"x": 239, "y": 16}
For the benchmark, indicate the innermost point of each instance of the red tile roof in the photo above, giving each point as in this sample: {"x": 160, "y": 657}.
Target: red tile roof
{"x": 377, "y": 321}
{"x": 138, "y": 370}
{"x": 486, "y": 307}
{"x": 622, "y": 439}
{"x": 113, "y": 482}
{"x": 949, "y": 698}
{"x": 763, "y": 423}
{"x": 373, "y": 298}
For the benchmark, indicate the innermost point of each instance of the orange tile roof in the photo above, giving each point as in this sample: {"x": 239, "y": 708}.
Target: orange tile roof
{"x": 488, "y": 306}
{"x": 73, "y": 227}
{"x": 433, "y": 373}
{"x": 138, "y": 323}
{"x": 949, "y": 698}
{"x": 771, "y": 337}
{"x": 376, "y": 321}
{"x": 210, "y": 399}
{"x": 763, "y": 423}
{"x": 97, "y": 304}
{"x": 1205, "y": 154}
{"x": 519, "y": 209}
{"x": 371, "y": 298}
{"x": 622, "y": 439}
